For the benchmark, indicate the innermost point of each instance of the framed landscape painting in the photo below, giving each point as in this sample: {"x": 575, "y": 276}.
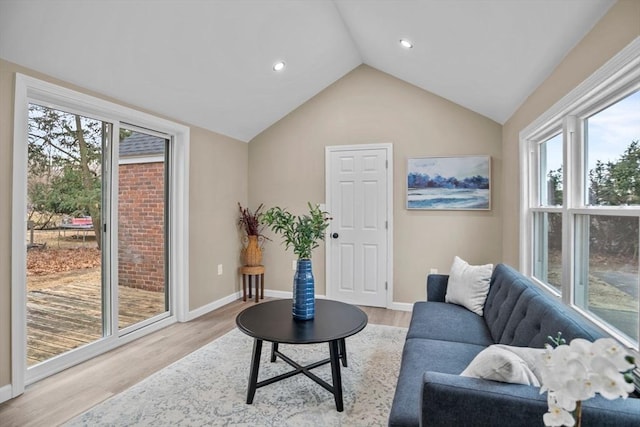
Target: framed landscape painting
{"x": 457, "y": 183}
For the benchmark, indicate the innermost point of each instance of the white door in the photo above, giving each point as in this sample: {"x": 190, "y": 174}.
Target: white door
{"x": 358, "y": 198}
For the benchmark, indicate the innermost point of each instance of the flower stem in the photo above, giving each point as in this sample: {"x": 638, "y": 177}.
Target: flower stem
{"x": 578, "y": 413}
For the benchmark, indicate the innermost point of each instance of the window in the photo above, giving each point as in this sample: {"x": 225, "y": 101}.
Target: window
{"x": 580, "y": 233}
{"x": 548, "y": 216}
{"x": 66, "y": 172}
{"x": 607, "y": 274}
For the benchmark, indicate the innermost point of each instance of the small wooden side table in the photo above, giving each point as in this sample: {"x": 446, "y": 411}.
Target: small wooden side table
{"x": 252, "y": 274}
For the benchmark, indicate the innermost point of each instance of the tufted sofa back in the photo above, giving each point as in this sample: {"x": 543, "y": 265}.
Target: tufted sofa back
{"x": 518, "y": 313}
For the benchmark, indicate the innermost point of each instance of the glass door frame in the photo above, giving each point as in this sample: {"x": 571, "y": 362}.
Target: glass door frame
{"x": 115, "y": 309}
{"x": 31, "y": 90}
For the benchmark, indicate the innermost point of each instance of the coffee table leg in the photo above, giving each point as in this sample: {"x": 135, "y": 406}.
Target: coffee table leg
{"x": 255, "y": 366}
{"x": 334, "y": 355}
{"x": 274, "y": 348}
{"x": 342, "y": 349}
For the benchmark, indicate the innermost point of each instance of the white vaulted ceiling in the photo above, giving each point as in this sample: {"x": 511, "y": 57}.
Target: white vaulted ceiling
{"x": 209, "y": 62}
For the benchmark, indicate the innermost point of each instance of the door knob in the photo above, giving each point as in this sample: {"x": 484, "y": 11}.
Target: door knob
{"x": 335, "y": 235}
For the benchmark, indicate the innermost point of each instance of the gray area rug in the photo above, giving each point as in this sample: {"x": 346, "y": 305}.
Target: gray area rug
{"x": 209, "y": 387}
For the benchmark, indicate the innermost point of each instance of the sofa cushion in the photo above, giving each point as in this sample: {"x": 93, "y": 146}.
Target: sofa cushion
{"x": 450, "y": 400}
{"x": 468, "y": 285}
{"x": 418, "y": 357}
{"x": 448, "y": 322}
{"x": 506, "y": 288}
{"x": 507, "y": 364}
{"x": 460, "y": 401}
{"x": 537, "y": 316}
{"x": 437, "y": 287}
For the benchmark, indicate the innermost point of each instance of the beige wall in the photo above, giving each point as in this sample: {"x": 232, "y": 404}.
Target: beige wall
{"x": 286, "y": 168}
{"x": 218, "y": 180}
{"x": 614, "y": 31}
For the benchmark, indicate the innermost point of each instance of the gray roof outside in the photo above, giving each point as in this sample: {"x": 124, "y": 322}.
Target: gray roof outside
{"x": 141, "y": 144}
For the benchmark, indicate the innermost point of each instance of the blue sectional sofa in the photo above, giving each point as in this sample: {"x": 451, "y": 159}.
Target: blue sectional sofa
{"x": 444, "y": 338}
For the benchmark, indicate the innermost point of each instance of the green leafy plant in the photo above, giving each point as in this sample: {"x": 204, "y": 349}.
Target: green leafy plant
{"x": 558, "y": 340}
{"x": 303, "y": 232}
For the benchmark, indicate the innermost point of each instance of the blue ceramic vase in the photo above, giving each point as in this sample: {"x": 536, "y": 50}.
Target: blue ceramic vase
{"x": 304, "y": 302}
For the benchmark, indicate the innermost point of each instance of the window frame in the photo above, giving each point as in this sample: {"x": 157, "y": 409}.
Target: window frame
{"x": 29, "y": 89}
{"x": 615, "y": 80}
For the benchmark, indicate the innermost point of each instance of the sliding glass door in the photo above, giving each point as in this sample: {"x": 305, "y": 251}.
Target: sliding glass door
{"x": 97, "y": 233}
{"x": 65, "y": 254}
{"x": 143, "y": 296}
{"x": 99, "y": 227}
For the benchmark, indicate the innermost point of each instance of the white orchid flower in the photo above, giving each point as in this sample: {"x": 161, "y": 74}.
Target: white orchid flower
{"x": 565, "y": 400}
{"x": 557, "y": 417}
{"x": 584, "y": 388}
{"x": 582, "y": 347}
{"x": 613, "y": 385}
{"x": 577, "y": 372}
{"x": 613, "y": 352}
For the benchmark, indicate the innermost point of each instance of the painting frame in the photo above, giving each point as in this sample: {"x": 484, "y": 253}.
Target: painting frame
{"x": 449, "y": 183}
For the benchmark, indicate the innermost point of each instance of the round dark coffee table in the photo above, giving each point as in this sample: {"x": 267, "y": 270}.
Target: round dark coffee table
{"x": 272, "y": 321}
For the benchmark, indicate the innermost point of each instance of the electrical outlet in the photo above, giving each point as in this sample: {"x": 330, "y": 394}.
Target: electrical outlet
{"x": 433, "y": 271}
{"x": 294, "y": 265}
{"x": 219, "y": 269}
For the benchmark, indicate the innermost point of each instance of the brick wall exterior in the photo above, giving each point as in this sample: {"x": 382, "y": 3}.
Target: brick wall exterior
{"x": 141, "y": 226}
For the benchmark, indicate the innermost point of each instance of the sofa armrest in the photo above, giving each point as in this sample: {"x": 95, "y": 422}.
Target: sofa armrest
{"x": 451, "y": 400}
{"x": 437, "y": 287}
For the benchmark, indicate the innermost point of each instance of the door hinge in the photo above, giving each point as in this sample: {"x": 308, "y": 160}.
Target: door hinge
{"x": 104, "y": 228}
{"x": 386, "y": 286}
{"x": 386, "y": 225}
{"x": 386, "y": 164}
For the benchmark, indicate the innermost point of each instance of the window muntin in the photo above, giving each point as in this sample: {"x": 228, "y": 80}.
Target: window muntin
{"x": 551, "y": 170}
{"x": 548, "y": 249}
{"x": 606, "y": 276}
{"x": 612, "y": 154}
{"x": 547, "y": 220}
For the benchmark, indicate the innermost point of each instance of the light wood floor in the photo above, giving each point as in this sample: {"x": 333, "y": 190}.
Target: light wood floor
{"x": 57, "y": 399}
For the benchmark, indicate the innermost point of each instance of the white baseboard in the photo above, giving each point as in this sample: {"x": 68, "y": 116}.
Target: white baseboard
{"x": 277, "y": 294}
{"x": 207, "y": 308}
{"x": 6, "y": 393}
{"x": 401, "y": 306}
{"x": 285, "y": 294}
{"x": 200, "y": 311}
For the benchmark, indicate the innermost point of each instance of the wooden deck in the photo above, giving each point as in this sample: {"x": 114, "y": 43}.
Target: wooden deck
{"x": 68, "y": 316}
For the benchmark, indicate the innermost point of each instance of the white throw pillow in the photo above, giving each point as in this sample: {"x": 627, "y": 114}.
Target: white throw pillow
{"x": 468, "y": 285}
{"x": 502, "y": 363}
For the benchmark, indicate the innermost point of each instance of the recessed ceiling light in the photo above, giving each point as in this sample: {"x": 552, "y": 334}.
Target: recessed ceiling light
{"x": 406, "y": 44}
{"x": 278, "y": 66}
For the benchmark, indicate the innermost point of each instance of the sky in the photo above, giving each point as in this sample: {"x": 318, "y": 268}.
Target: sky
{"x": 611, "y": 130}
{"x": 459, "y": 167}
{"x": 609, "y": 133}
